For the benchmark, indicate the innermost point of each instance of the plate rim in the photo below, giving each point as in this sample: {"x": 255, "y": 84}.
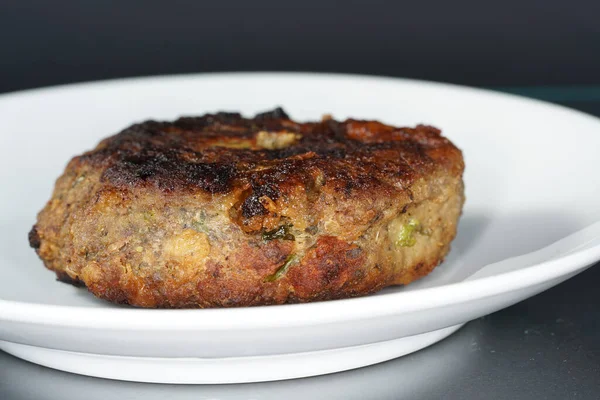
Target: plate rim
{"x": 288, "y": 315}
{"x": 303, "y": 314}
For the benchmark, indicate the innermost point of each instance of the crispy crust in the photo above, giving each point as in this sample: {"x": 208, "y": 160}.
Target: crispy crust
{"x": 221, "y": 210}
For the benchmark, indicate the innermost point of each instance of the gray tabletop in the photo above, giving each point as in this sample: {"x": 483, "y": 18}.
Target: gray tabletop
{"x": 547, "y": 347}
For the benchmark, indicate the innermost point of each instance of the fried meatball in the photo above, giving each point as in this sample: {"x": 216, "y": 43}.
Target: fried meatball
{"x": 224, "y": 211}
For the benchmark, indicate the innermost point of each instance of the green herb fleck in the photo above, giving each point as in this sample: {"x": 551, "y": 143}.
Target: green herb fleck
{"x": 282, "y": 270}
{"x": 199, "y": 223}
{"x": 199, "y": 226}
{"x": 149, "y": 215}
{"x": 406, "y": 237}
{"x": 282, "y": 232}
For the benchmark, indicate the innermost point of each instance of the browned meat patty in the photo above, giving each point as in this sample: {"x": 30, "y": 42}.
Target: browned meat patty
{"x": 221, "y": 211}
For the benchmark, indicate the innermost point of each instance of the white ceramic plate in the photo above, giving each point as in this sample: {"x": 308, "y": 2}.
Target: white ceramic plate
{"x": 531, "y": 180}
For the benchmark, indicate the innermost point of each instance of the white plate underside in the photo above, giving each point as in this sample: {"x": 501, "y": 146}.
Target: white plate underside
{"x": 530, "y": 180}
{"x": 226, "y": 370}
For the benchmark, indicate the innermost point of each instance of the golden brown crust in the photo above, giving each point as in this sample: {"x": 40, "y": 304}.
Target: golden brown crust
{"x": 222, "y": 210}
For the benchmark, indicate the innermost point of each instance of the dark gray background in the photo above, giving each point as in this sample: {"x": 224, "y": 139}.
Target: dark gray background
{"x": 491, "y": 43}
{"x": 547, "y": 347}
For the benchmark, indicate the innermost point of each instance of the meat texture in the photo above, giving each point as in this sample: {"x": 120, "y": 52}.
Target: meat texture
{"x": 223, "y": 211}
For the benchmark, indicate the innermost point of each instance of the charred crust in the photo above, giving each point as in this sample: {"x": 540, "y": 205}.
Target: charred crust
{"x": 227, "y": 117}
{"x": 34, "y": 238}
{"x": 252, "y": 206}
{"x": 220, "y": 118}
{"x": 217, "y": 153}
{"x": 277, "y": 113}
{"x": 168, "y": 170}
{"x": 65, "y": 278}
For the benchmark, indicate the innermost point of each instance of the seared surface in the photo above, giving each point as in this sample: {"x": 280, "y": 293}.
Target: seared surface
{"x": 221, "y": 210}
